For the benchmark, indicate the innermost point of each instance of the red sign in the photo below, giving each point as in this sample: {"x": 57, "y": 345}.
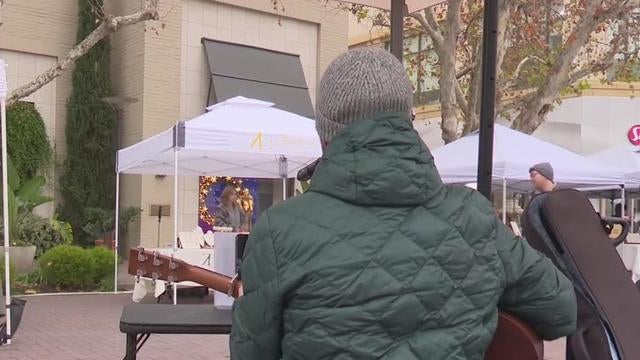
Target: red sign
{"x": 634, "y": 135}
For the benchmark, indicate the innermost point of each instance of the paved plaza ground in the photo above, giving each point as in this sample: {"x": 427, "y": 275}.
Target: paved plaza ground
{"x": 85, "y": 327}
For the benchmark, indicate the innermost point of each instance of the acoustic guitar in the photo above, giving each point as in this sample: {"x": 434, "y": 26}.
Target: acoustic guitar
{"x": 513, "y": 339}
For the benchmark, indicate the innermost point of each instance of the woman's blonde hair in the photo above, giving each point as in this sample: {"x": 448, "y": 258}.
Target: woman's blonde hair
{"x": 227, "y": 192}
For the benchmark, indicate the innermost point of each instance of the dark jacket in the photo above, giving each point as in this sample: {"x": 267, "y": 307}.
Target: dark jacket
{"x": 223, "y": 217}
{"x": 380, "y": 260}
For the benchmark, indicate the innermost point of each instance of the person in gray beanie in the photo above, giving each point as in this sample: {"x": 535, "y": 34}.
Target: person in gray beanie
{"x": 542, "y": 177}
{"x": 358, "y": 85}
{"x": 379, "y": 259}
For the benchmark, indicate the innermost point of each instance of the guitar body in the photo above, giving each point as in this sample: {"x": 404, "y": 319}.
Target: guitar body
{"x": 513, "y": 339}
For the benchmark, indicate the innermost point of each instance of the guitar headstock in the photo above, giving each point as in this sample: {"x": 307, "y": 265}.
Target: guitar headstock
{"x": 151, "y": 264}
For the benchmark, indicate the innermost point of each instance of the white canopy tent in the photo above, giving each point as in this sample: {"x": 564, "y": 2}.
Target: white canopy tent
{"x": 623, "y": 158}
{"x": 513, "y": 154}
{"x": 627, "y": 160}
{"x": 239, "y": 137}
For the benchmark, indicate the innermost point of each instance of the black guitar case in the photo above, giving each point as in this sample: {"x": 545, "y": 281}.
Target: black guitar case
{"x": 564, "y": 226}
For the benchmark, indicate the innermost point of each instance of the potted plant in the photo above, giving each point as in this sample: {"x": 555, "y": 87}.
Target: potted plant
{"x": 100, "y": 224}
{"x": 23, "y": 198}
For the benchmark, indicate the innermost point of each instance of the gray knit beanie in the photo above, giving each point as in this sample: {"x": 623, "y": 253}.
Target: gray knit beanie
{"x": 545, "y": 169}
{"x": 359, "y": 84}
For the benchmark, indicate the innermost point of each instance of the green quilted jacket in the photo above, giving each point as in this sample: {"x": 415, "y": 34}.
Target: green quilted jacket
{"x": 380, "y": 260}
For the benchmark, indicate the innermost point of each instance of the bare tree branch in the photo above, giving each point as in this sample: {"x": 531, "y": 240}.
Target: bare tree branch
{"x": 604, "y": 63}
{"x": 466, "y": 70}
{"x": 108, "y": 24}
{"x": 521, "y": 64}
{"x": 430, "y": 16}
{"x": 532, "y": 112}
{"x": 434, "y": 32}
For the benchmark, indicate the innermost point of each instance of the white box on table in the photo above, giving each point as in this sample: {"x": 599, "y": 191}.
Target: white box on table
{"x": 225, "y": 262}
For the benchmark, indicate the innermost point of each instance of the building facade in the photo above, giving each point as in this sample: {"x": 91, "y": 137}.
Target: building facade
{"x": 161, "y": 75}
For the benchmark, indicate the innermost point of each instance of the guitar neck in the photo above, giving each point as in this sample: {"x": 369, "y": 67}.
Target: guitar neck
{"x": 211, "y": 279}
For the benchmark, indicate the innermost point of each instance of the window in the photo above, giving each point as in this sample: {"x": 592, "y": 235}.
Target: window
{"x": 421, "y": 64}
{"x": 627, "y": 63}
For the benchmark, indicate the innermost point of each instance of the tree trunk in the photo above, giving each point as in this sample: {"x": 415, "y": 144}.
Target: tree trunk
{"x": 472, "y": 115}
{"x": 448, "y": 81}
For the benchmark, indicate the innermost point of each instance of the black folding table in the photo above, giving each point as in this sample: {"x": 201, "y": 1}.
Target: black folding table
{"x": 139, "y": 321}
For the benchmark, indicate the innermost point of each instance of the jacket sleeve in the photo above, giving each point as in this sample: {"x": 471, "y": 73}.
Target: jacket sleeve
{"x": 257, "y": 315}
{"x": 536, "y": 291}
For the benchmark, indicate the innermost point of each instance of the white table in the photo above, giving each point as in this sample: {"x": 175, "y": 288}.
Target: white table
{"x": 630, "y": 254}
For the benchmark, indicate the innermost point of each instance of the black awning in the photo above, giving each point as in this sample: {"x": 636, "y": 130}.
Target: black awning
{"x": 240, "y": 70}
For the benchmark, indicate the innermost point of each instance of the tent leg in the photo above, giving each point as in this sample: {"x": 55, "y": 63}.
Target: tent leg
{"x": 116, "y": 235}
{"x": 632, "y": 213}
{"x": 175, "y": 215}
{"x": 5, "y": 213}
{"x": 283, "y": 165}
{"x": 284, "y": 188}
{"x": 504, "y": 201}
{"x": 623, "y": 201}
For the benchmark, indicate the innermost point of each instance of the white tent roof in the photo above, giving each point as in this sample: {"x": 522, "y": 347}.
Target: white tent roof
{"x": 623, "y": 158}
{"x": 513, "y": 154}
{"x": 239, "y": 137}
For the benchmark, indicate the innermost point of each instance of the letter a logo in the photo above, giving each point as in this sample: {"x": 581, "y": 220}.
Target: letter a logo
{"x": 257, "y": 142}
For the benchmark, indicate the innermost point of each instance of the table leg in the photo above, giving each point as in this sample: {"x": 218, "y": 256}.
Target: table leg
{"x": 131, "y": 347}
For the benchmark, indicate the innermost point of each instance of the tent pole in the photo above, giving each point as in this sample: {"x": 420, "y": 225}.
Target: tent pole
{"x": 632, "y": 213}
{"x": 5, "y": 200}
{"x": 117, "y": 232}
{"x": 284, "y": 188}
{"x": 504, "y": 200}
{"x": 283, "y": 168}
{"x": 623, "y": 201}
{"x": 488, "y": 97}
{"x": 175, "y": 213}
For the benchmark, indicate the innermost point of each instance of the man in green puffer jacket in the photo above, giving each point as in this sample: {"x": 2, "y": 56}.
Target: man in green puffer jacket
{"x": 379, "y": 259}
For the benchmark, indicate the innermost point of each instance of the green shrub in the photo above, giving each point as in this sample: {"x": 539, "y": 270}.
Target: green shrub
{"x": 12, "y": 272}
{"x": 103, "y": 263}
{"x": 67, "y": 267}
{"x": 33, "y": 278}
{"x": 35, "y": 230}
{"x": 106, "y": 284}
{"x": 27, "y": 140}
